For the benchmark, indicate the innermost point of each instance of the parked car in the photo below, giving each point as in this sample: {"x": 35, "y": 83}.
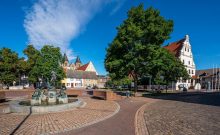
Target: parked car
{"x": 182, "y": 87}
{"x": 89, "y": 87}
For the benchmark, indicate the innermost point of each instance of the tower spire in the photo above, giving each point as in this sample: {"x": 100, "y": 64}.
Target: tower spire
{"x": 65, "y": 57}
{"x": 78, "y": 60}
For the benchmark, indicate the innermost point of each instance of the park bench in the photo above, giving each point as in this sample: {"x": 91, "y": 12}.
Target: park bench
{"x": 106, "y": 95}
{"x": 75, "y": 93}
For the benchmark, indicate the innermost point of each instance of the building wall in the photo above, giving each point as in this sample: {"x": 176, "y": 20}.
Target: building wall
{"x": 186, "y": 56}
{"x": 89, "y": 82}
{"x": 91, "y": 68}
{"x": 102, "y": 80}
{"x": 72, "y": 82}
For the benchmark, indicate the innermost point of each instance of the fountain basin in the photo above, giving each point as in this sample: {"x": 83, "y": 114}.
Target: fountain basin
{"x": 16, "y": 107}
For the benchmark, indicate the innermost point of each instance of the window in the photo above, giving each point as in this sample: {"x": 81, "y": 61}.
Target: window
{"x": 192, "y": 71}
{"x": 78, "y": 84}
{"x": 185, "y": 48}
{"x": 189, "y": 62}
{"x": 183, "y": 62}
{"x": 189, "y": 71}
{"x": 188, "y": 49}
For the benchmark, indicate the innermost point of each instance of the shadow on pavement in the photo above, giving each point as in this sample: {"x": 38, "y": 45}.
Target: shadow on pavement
{"x": 190, "y": 97}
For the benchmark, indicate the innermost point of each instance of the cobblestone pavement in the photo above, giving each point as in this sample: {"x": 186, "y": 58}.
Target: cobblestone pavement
{"x": 95, "y": 110}
{"x": 120, "y": 124}
{"x": 184, "y": 115}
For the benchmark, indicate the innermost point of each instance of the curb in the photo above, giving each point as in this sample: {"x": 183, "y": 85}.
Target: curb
{"x": 140, "y": 125}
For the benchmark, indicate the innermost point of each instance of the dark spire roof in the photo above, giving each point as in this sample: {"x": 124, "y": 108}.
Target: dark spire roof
{"x": 65, "y": 57}
{"x": 78, "y": 60}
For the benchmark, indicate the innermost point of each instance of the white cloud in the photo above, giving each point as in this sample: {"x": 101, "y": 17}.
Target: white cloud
{"x": 57, "y": 22}
{"x": 119, "y": 4}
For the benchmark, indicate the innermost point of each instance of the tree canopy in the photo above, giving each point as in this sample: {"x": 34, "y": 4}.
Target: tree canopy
{"x": 43, "y": 62}
{"x": 9, "y": 68}
{"x": 39, "y": 64}
{"x": 136, "y": 49}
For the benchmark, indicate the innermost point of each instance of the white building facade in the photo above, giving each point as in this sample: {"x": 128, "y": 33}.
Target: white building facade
{"x": 182, "y": 49}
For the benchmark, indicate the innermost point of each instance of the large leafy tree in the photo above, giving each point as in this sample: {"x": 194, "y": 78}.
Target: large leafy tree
{"x": 8, "y": 66}
{"x": 129, "y": 52}
{"x": 164, "y": 67}
{"x": 33, "y": 55}
{"x": 43, "y": 62}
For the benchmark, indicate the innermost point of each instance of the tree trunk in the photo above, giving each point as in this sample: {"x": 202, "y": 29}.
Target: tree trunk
{"x": 166, "y": 86}
{"x": 135, "y": 86}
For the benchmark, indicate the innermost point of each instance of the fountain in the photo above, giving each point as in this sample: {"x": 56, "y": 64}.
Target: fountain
{"x": 51, "y": 96}
{"x": 46, "y": 100}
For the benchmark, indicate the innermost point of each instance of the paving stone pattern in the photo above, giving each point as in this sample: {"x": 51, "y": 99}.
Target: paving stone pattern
{"x": 59, "y": 121}
{"x": 170, "y": 117}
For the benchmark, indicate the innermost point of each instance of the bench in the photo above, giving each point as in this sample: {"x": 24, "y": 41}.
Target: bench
{"x": 106, "y": 95}
{"x": 2, "y": 96}
{"x": 71, "y": 92}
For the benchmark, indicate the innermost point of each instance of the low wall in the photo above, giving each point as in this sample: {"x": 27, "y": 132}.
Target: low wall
{"x": 100, "y": 94}
{"x": 18, "y": 93}
{"x": 2, "y": 95}
{"x": 106, "y": 95}
{"x": 16, "y": 108}
{"x": 16, "y": 88}
{"x": 71, "y": 92}
{"x": 29, "y": 92}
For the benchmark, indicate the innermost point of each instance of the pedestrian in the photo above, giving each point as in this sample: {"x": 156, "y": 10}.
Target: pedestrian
{"x": 128, "y": 93}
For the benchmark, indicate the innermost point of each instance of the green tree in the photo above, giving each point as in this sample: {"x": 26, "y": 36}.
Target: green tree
{"x": 119, "y": 82}
{"x": 8, "y": 66}
{"x": 164, "y": 67}
{"x": 43, "y": 62}
{"x": 128, "y": 54}
{"x": 33, "y": 55}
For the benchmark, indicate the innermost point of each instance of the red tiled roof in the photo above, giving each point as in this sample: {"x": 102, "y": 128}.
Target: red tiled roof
{"x": 175, "y": 47}
{"x": 195, "y": 77}
{"x": 83, "y": 67}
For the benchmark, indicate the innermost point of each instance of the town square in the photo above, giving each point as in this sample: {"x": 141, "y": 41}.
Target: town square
{"x": 114, "y": 67}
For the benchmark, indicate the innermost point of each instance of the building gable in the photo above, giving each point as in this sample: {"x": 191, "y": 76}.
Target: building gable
{"x": 88, "y": 67}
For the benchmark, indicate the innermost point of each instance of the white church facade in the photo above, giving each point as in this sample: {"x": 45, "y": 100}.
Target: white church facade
{"x": 182, "y": 49}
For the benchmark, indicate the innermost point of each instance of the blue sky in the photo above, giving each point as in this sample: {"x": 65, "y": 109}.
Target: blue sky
{"x": 90, "y": 27}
